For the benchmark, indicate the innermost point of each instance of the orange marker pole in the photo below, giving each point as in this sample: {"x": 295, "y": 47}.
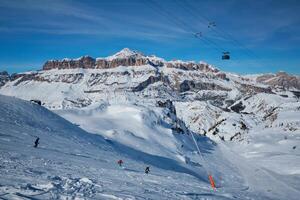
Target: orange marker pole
{"x": 212, "y": 182}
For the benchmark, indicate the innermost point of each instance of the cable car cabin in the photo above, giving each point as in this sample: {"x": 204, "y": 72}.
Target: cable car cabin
{"x": 226, "y": 56}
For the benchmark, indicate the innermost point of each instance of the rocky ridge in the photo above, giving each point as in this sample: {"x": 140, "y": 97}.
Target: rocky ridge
{"x": 125, "y": 57}
{"x": 280, "y": 80}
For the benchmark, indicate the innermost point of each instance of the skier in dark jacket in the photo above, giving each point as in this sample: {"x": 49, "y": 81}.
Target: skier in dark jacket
{"x": 120, "y": 162}
{"x": 36, "y": 143}
{"x": 147, "y": 170}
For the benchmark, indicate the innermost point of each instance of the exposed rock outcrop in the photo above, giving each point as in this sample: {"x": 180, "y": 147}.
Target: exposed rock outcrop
{"x": 252, "y": 89}
{"x": 191, "y": 85}
{"x": 191, "y": 66}
{"x": 130, "y": 61}
{"x": 238, "y": 107}
{"x": 65, "y": 78}
{"x": 149, "y": 81}
{"x": 4, "y": 78}
{"x": 280, "y": 80}
{"x": 222, "y": 76}
{"x": 84, "y": 62}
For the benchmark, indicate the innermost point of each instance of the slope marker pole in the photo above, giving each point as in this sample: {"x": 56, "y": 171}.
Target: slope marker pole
{"x": 211, "y": 180}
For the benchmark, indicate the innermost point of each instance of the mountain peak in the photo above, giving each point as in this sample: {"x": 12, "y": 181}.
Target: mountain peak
{"x": 125, "y": 53}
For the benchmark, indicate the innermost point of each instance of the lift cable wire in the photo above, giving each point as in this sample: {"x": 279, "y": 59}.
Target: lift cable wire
{"x": 217, "y": 29}
{"x": 182, "y": 24}
{"x": 186, "y": 27}
{"x": 213, "y": 27}
{"x": 206, "y": 22}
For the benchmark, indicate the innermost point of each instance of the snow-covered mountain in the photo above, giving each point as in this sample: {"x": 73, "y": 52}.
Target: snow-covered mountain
{"x": 150, "y": 107}
{"x": 132, "y": 77}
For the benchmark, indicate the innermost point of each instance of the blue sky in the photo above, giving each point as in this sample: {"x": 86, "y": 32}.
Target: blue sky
{"x": 262, "y": 36}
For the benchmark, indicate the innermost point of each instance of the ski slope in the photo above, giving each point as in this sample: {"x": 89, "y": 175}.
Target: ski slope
{"x": 72, "y": 163}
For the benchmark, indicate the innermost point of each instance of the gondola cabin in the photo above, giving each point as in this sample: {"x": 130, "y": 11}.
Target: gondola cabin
{"x": 226, "y": 56}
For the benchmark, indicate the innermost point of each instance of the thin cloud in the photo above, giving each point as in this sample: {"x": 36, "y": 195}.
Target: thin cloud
{"x": 82, "y": 19}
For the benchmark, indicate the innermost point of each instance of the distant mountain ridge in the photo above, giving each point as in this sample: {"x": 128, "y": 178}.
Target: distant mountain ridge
{"x": 125, "y": 57}
{"x": 280, "y": 79}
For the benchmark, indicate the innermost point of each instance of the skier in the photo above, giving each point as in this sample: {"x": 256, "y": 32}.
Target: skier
{"x": 147, "y": 170}
{"x": 120, "y": 162}
{"x": 36, "y": 143}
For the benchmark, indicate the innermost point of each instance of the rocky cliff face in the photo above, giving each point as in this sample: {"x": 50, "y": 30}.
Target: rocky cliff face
{"x": 125, "y": 57}
{"x": 84, "y": 62}
{"x": 280, "y": 80}
{"x": 130, "y": 61}
{"x": 191, "y": 66}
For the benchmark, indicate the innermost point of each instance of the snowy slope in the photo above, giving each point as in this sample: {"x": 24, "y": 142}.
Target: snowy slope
{"x": 254, "y": 175}
{"x": 71, "y": 163}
